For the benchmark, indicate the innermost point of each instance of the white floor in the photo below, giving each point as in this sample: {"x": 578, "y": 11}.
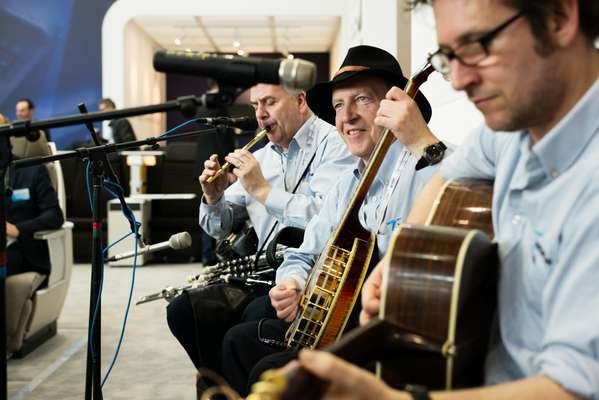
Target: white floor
{"x": 151, "y": 364}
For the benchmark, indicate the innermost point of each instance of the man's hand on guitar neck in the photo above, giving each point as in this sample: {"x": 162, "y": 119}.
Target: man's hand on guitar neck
{"x": 284, "y": 298}
{"x": 399, "y": 113}
{"x": 350, "y": 382}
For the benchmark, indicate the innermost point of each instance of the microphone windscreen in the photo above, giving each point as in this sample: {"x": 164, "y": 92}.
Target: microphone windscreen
{"x": 297, "y": 74}
{"x": 181, "y": 240}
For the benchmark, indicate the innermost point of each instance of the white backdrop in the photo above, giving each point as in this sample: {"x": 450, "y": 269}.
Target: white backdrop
{"x": 129, "y": 79}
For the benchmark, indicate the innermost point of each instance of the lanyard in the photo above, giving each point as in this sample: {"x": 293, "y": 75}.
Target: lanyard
{"x": 305, "y": 170}
{"x": 390, "y": 188}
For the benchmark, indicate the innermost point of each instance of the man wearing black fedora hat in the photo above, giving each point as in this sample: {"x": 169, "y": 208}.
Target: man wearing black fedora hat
{"x": 355, "y": 101}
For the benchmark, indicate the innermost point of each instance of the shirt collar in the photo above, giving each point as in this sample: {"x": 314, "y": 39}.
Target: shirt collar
{"x": 563, "y": 144}
{"x": 359, "y": 168}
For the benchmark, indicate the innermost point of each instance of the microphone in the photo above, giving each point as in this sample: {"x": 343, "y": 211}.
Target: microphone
{"x": 245, "y": 123}
{"x": 243, "y": 71}
{"x": 178, "y": 241}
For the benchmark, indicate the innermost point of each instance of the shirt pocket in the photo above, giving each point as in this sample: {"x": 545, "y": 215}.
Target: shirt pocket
{"x": 544, "y": 248}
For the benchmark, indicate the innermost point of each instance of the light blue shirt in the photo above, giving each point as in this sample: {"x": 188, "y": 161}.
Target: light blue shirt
{"x": 546, "y": 220}
{"x": 298, "y": 262}
{"x": 283, "y": 170}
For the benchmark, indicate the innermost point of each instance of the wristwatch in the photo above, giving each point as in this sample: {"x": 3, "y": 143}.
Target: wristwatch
{"x": 417, "y": 392}
{"x": 432, "y": 154}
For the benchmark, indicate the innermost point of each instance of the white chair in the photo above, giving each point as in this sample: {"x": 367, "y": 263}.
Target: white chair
{"x": 32, "y": 311}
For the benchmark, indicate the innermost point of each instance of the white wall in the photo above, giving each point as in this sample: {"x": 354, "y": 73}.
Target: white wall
{"x": 127, "y": 73}
{"x": 453, "y": 115}
{"x": 143, "y": 85}
{"x": 128, "y": 77}
{"x": 372, "y": 22}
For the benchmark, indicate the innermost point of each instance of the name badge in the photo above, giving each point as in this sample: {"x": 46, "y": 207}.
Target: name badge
{"x": 394, "y": 223}
{"x": 20, "y": 195}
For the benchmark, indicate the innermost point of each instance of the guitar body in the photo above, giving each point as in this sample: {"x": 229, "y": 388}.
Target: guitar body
{"x": 440, "y": 292}
{"x": 437, "y": 303}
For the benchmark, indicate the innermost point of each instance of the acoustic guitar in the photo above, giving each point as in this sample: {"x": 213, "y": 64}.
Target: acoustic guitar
{"x": 437, "y": 304}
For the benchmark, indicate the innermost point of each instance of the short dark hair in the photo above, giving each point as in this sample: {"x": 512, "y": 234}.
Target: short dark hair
{"x": 29, "y": 102}
{"x": 537, "y": 12}
{"x": 108, "y": 101}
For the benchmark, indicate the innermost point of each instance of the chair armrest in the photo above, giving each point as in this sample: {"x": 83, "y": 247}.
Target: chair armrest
{"x": 53, "y": 233}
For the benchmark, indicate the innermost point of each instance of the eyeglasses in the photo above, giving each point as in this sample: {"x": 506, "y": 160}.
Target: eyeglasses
{"x": 471, "y": 53}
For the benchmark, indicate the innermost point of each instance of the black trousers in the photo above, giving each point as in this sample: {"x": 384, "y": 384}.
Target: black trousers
{"x": 16, "y": 263}
{"x": 199, "y": 319}
{"x": 245, "y": 357}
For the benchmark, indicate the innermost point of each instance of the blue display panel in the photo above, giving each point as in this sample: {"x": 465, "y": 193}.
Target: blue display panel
{"x": 50, "y": 52}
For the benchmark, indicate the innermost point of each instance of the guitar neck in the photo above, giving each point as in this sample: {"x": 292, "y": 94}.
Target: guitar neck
{"x": 360, "y": 346}
{"x": 349, "y": 221}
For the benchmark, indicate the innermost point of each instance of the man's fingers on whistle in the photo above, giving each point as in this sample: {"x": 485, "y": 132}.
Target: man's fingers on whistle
{"x": 209, "y": 172}
{"x": 233, "y": 160}
{"x": 209, "y": 164}
{"x": 242, "y": 152}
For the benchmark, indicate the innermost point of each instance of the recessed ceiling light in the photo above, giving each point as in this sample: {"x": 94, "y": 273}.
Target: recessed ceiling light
{"x": 240, "y": 52}
{"x": 236, "y": 44}
{"x": 178, "y": 41}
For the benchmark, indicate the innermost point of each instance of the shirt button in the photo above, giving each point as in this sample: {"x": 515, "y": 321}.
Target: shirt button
{"x": 516, "y": 219}
{"x": 554, "y": 174}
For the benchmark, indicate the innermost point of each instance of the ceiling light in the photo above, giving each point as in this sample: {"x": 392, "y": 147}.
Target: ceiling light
{"x": 236, "y": 44}
{"x": 178, "y": 41}
{"x": 290, "y": 56}
{"x": 188, "y": 50}
{"x": 240, "y": 52}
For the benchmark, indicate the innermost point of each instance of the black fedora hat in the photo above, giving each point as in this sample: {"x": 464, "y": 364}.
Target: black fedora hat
{"x": 361, "y": 61}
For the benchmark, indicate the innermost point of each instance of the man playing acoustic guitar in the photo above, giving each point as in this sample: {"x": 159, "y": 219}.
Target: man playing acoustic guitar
{"x": 532, "y": 69}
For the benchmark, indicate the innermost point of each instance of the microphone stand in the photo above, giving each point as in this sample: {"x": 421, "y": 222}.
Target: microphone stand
{"x": 97, "y": 154}
{"x": 186, "y": 104}
{"x": 97, "y": 157}
{"x": 5, "y": 156}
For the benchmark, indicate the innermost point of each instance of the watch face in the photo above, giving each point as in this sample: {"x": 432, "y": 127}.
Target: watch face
{"x": 434, "y": 153}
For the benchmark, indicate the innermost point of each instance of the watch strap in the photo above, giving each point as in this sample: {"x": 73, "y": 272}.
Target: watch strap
{"x": 424, "y": 161}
